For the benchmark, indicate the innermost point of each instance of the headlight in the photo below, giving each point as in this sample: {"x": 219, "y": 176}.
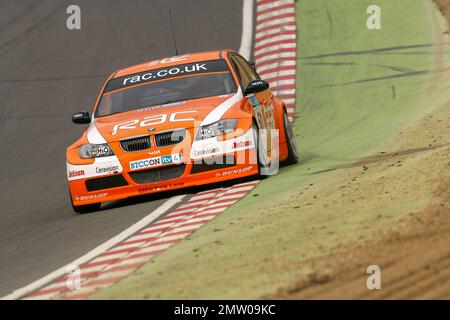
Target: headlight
{"x": 87, "y": 151}
{"x": 218, "y": 128}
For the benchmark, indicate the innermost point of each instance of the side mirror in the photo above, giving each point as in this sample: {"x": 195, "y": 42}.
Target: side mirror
{"x": 256, "y": 86}
{"x": 81, "y": 117}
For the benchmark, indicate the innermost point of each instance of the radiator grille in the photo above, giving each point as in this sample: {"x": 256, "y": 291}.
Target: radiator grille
{"x": 136, "y": 144}
{"x": 106, "y": 183}
{"x": 170, "y": 138}
{"x": 158, "y": 174}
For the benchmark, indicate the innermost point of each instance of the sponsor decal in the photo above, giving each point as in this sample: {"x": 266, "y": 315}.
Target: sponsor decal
{"x": 206, "y": 152}
{"x": 161, "y": 106}
{"x": 161, "y": 187}
{"x": 108, "y": 169}
{"x": 257, "y": 82}
{"x": 203, "y": 149}
{"x": 174, "y": 59}
{"x": 233, "y": 172}
{"x": 154, "y": 120}
{"x": 169, "y": 60}
{"x": 167, "y": 73}
{"x": 254, "y": 101}
{"x": 242, "y": 144}
{"x": 156, "y": 161}
{"x": 162, "y": 73}
{"x": 154, "y": 152}
{"x": 108, "y": 166}
{"x": 76, "y": 173}
{"x": 91, "y": 196}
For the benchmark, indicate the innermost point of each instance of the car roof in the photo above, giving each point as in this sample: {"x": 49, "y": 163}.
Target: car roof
{"x": 171, "y": 61}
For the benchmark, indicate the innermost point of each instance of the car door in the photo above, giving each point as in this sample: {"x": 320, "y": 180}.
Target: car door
{"x": 262, "y": 102}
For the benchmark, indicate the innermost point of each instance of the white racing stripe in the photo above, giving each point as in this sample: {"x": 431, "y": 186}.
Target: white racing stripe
{"x": 275, "y": 47}
{"x": 269, "y": 5}
{"x": 195, "y": 199}
{"x": 97, "y": 251}
{"x": 279, "y": 38}
{"x": 282, "y": 83}
{"x": 289, "y": 45}
{"x": 278, "y": 73}
{"x": 287, "y": 91}
{"x": 274, "y": 57}
{"x": 200, "y": 219}
{"x": 274, "y": 30}
{"x": 93, "y": 135}
{"x": 186, "y": 228}
{"x": 220, "y": 110}
{"x": 191, "y": 205}
{"x": 269, "y": 14}
{"x": 289, "y": 100}
{"x": 155, "y": 248}
{"x": 112, "y": 256}
{"x": 262, "y": 25}
{"x": 281, "y": 63}
{"x": 132, "y": 261}
{"x": 41, "y": 297}
{"x": 141, "y": 237}
{"x": 212, "y": 210}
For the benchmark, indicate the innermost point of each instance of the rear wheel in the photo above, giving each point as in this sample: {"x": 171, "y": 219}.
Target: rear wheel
{"x": 292, "y": 157}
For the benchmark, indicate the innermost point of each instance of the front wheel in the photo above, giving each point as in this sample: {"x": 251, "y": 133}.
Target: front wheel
{"x": 87, "y": 208}
{"x": 292, "y": 157}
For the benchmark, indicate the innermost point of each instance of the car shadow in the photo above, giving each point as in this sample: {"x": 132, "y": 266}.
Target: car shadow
{"x": 168, "y": 194}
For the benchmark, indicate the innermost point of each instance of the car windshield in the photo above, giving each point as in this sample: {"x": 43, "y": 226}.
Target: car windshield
{"x": 166, "y": 91}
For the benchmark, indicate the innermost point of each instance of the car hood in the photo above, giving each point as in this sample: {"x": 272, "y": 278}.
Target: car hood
{"x": 185, "y": 114}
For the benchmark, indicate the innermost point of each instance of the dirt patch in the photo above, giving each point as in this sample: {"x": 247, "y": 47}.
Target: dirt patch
{"x": 415, "y": 262}
{"x": 444, "y": 7}
{"x": 415, "y": 257}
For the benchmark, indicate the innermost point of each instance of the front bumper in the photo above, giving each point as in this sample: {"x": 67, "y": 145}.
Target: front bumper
{"x": 204, "y": 163}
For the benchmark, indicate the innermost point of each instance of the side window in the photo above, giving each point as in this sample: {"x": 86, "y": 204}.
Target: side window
{"x": 248, "y": 68}
{"x": 242, "y": 74}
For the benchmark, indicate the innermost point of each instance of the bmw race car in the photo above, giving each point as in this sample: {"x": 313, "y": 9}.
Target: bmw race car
{"x": 177, "y": 122}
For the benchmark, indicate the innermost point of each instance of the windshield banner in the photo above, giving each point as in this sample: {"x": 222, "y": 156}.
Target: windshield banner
{"x": 166, "y": 73}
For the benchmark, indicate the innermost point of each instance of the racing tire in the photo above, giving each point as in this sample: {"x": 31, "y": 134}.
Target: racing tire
{"x": 87, "y": 208}
{"x": 292, "y": 157}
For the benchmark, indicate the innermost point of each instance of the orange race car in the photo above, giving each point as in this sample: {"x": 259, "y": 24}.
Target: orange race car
{"x": 177, "y": 122}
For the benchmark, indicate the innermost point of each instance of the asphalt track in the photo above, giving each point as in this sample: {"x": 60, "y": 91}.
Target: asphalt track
{"x": 48, "y": 73}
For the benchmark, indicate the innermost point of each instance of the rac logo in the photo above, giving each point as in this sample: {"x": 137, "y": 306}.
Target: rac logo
{"x": 180, "y": 116}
